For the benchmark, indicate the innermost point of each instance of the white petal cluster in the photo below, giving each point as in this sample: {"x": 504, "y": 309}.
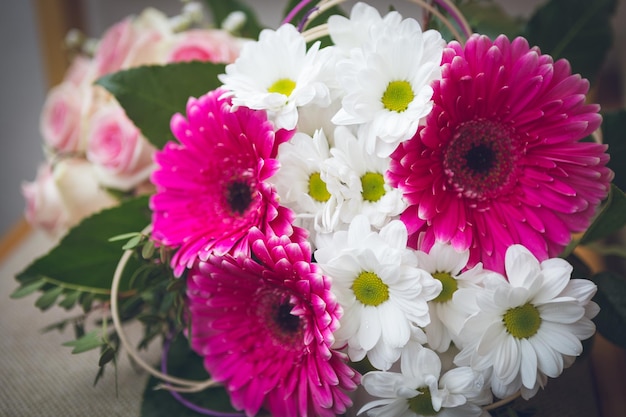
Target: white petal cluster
{"x": 449, "y": 311}
{"x": 525, "y": 329}
{"x": 386, "y": 77}
{"x": 277, "y": 74}
{"x": 383, "y": 293}
{"x": 357, "y": 180}
{"x": 301, "y": 164}
{"x": 420, "y": 389}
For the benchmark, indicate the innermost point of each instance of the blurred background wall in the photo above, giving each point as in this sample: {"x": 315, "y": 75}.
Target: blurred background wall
{"x": 24, "y": 81}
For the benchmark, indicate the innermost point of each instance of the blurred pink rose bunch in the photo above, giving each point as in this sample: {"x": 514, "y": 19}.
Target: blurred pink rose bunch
{"x": 91, "y": 146}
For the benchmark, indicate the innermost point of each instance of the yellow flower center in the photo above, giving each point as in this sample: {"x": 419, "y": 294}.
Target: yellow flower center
{"x": 373, "y": 185}
{"x": 369, "y": 289}
{"x": 522, "y": 322}
{"x": 317, "y": 188}
{"x": 449, "y": 286}
{"x": 398, "y": 96}
{"x": 422, "y": 404}
{"x": 283, "y": 86}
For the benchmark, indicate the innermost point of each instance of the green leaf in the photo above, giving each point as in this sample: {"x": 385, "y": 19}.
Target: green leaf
{"x": 489, "y": 18}
{"x": 614, "y": 135}
{"x": 124, "y": 236}
{"x": 151, "y": 95}
{"x": 612, "y": 217}
{"x": 133, "y": 242}
{"x": 28, "y": 288}
{"x": 184, "y": 363}
{"x": 611, "y": 297}
{"x": 221, "y": 9}
{"x": 107, "y": 355}
{"x": 89, "y": 341}
{"x": 85, "y": 260}
{"x": 48, "y": 298}
{"x": 578, "y": 30}
{"x": 70, "y": 300}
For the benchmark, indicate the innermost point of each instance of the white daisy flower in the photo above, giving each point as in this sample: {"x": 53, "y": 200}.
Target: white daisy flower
{"x": 453, "y": 305}
{"x": 277, "y": 74}
{"x": 381, "y": 291}
{"x": 300, "y": 185}
{"x": 358, "y": 181}
{"x": 420, "y": 391}
{"x": 387, "y": 84}
{"x": 526, "y": 328}
{"x": 355, "y": 31}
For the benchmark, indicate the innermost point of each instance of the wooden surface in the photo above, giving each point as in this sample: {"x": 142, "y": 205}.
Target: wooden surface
{"x": 55, "y": 18}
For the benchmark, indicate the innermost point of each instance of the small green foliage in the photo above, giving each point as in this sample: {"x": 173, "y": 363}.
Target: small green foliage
{"x": 124, "y": 236}
{"x": 28, "y": 288}
{"x": 107, "y": 355}
{"x": 133, "y": 242}
{"x": 89, "y": 341}
{"x": 48, "y": 298}
{"x": 70, "y": 300}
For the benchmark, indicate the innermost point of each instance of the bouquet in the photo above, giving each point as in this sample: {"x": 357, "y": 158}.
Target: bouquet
{"x": 354, "y": 213}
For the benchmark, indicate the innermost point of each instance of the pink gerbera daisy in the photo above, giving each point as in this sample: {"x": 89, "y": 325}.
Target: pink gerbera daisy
{"x": 500, "y": 159}
{"x": 264, "y": 326}
{"x": 211, "y": 186}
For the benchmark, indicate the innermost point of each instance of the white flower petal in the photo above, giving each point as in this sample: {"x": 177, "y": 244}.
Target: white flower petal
{"x": 529, "y": 363}
{"x": 370, "y": 329}
{"x": 561, "y": 312}
{"x": 562, "y": 339}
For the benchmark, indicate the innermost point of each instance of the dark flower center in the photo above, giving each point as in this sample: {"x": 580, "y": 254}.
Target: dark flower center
{"x": 274, "y": 314}
{"x": 286, "y": 321}
{"x": 480, "y": 159}
{"x": 238, "y": 196}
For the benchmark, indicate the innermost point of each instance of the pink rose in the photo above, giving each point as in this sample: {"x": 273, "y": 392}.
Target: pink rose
{"x": 133, "y": 42}
{"x": 153, "y": 34}
{"x": 44, "y": 205}
{"x": 114, "y": 47}
{"x": 63, "y": 195}
{"x": 204, "y": 45}
{"x": 80, "y": 71}
{"x": 122, "y": 157}
{"x": 79, "y": 189}
{"x": 61, "y": 117}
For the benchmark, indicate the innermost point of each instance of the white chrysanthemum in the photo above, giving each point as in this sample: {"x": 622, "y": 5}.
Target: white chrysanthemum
{"x": 419, "y": 391}
{"x": 387, "y": 84}
{"x": 453, "y": 305}
{"x": 358, "y": 181}
{"x": 382, "y": 292}
{"x": 300, "y": 185}
{"x": 277, "y": 74}
{"x": 364, "y": 22}
{"x": 526, "y": 328}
